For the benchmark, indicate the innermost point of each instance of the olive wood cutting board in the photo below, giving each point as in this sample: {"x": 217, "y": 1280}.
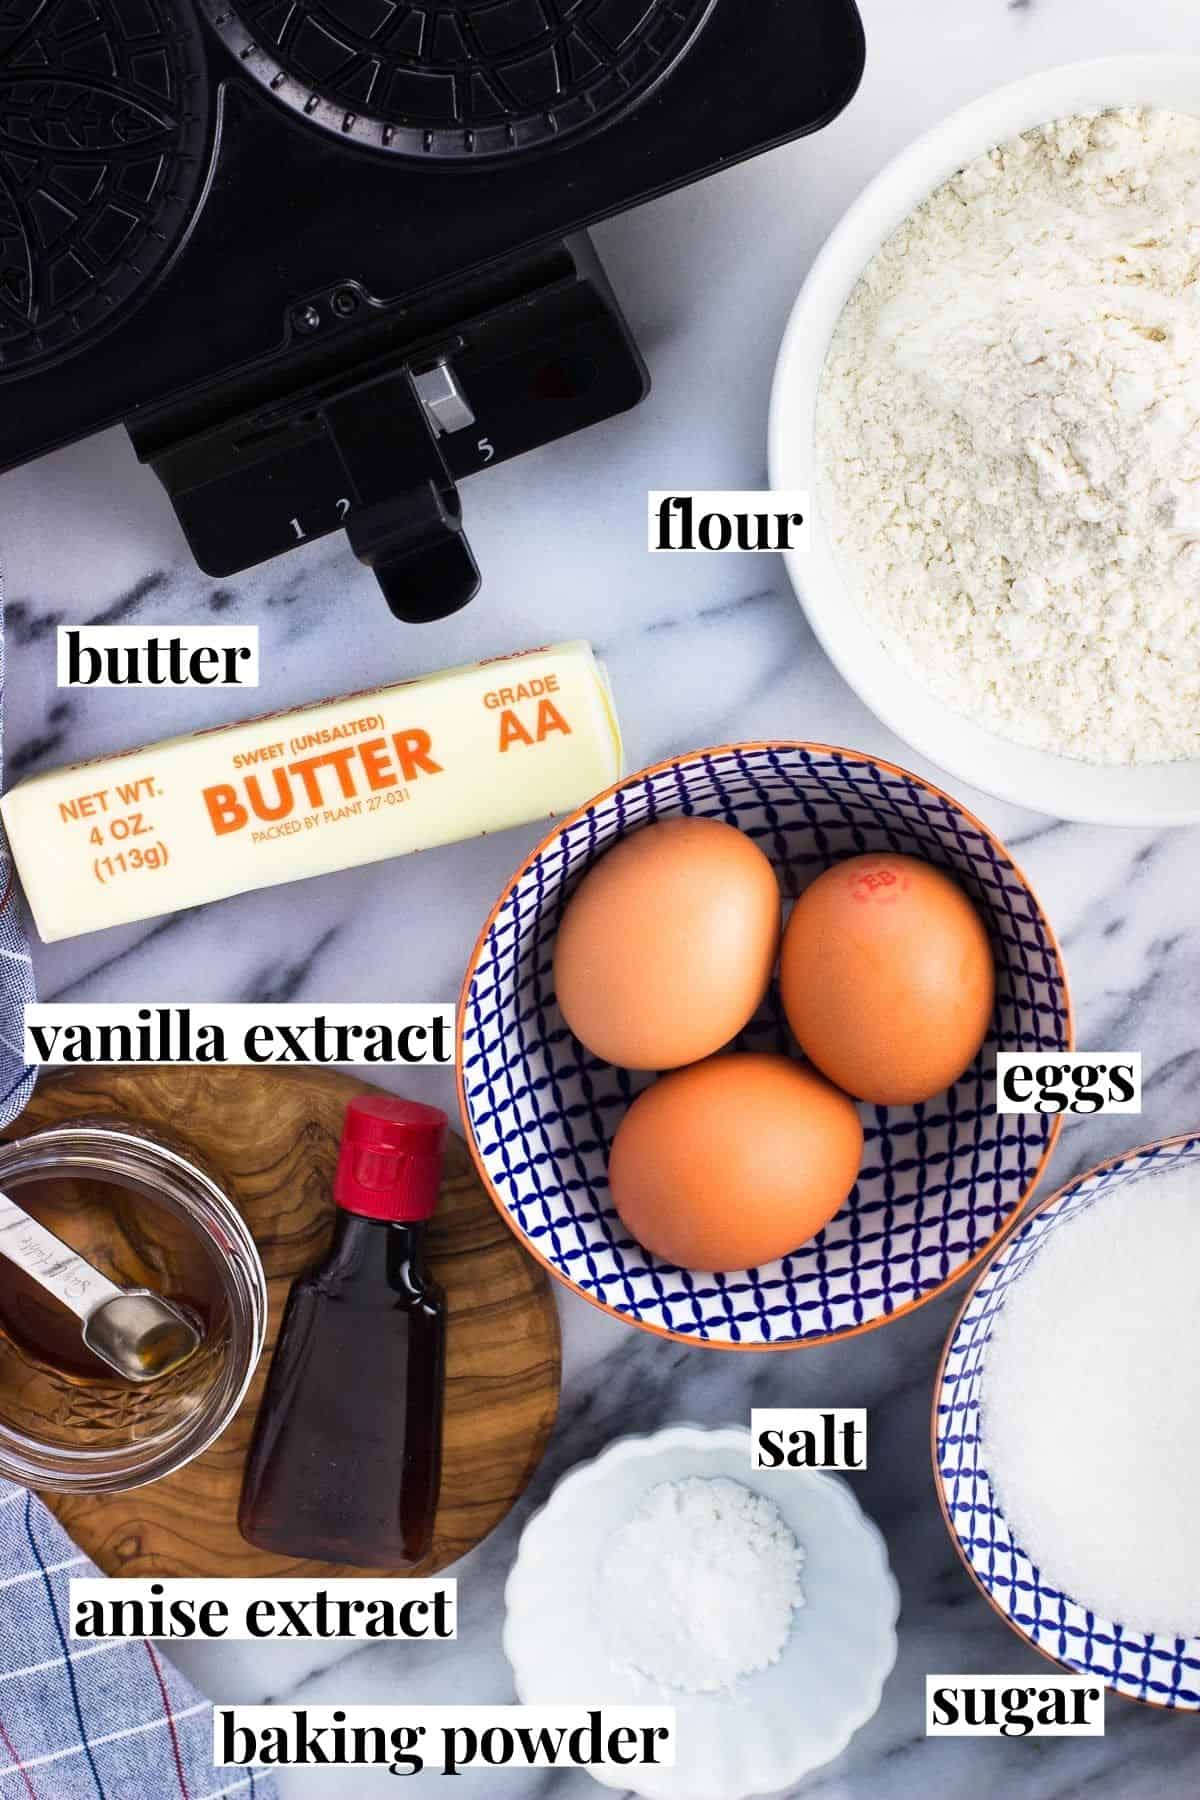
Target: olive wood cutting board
{"x": 273, "y": 1134}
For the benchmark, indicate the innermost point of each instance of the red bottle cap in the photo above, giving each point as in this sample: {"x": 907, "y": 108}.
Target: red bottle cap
{"x": 390, "y": 1163}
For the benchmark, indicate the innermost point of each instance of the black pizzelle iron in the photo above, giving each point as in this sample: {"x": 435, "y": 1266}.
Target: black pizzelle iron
{"x": 325, "y": 258}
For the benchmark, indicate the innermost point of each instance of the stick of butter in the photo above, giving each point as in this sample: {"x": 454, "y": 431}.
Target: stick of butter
{"x": 330, "y": 786}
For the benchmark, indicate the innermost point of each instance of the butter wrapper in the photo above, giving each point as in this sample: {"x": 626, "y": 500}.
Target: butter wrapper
{"x": 329, "y": 786}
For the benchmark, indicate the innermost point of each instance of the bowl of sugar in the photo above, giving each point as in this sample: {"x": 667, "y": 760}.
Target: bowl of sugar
{"x": 668, "y": 1572}
{"x": 979, "y": 387}
{"x": 1065, "y": 1443}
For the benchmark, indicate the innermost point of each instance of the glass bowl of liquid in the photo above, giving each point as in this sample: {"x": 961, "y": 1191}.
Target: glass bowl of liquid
{"x": 148, "y": 1213}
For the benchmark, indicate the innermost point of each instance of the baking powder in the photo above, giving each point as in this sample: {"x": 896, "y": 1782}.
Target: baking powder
{"x": 698, "y": 1588}
{"x": 1009, "y": 439}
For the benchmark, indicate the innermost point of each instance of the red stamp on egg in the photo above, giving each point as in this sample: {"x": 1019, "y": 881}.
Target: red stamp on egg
{"x": 881, "y": 887}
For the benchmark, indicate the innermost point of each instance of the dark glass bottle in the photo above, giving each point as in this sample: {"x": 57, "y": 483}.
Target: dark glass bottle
{"x": 346, "y": 1457}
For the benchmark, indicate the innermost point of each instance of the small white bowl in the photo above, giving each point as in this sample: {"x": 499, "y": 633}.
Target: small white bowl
{"x": 773, "y": 1728}
{"x": 1151, "y": 794}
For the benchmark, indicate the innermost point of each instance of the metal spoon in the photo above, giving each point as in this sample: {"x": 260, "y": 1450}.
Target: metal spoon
{"x": 137, "y": 1333}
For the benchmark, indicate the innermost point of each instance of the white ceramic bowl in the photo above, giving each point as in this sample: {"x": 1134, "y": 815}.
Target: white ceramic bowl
{"x": 775, "y": 1727}
{"x": 1152, "y": 794}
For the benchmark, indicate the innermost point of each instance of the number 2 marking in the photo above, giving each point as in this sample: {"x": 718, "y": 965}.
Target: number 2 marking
{"x": 342, "y": 507}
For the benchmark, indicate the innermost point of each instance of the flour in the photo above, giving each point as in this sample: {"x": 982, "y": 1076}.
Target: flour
{"x": 697, "y": 1589}
{"x": 1009, "y": 439}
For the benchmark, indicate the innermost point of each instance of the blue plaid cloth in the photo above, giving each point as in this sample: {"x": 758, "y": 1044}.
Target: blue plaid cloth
{"x": 90, "y": 1721}
{"x": 79, "y": 1721}
{"x": 16, "y": 970}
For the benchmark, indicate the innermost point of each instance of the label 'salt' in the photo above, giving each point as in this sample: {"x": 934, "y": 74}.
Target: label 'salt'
{"x": 330, "y": 786}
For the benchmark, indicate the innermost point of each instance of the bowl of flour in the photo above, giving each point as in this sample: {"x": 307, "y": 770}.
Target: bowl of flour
{"x": 990, "y": 385}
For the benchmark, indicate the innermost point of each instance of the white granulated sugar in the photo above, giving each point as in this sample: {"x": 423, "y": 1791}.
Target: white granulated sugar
{"x": 1090, "y": 1406}
{"x": 697, "y": 1589}
{"x": 1009, "y": 439}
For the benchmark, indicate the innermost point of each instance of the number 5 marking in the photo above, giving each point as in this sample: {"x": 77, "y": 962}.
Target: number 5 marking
{"x": 486, "y": 448}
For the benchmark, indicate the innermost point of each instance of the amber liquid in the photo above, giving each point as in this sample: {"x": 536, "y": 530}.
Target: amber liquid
{"x": 51, "y": 1385}
{"x": 346, "y": 1459}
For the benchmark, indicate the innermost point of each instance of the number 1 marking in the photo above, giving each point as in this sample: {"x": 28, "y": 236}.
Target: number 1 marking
{"x": 341, "y": 507}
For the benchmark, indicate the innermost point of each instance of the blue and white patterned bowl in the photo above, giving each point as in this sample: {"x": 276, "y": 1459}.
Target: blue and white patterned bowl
{"x": 1165, "y": 1671}
{"x": 939, "y": 1181}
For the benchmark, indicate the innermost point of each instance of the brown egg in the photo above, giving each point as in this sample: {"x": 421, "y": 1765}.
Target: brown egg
{"x": 734, "y": 1162}
{"x": 887, "y": 978}
{"x": 666, "y": 947}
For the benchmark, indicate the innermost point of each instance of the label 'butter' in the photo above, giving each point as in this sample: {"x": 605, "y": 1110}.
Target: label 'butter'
{"x": 329, "y": 786}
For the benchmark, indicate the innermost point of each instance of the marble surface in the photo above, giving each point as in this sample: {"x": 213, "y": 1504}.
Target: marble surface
{"x": 700, "y": 651}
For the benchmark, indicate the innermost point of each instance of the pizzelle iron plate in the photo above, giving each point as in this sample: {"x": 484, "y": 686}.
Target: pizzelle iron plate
{"x": 460, "y": 80}
{"x": 103, "y": 130}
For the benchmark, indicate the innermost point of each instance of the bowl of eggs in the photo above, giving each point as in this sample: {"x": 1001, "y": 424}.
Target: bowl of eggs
{"x": 726, "y": 1045}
